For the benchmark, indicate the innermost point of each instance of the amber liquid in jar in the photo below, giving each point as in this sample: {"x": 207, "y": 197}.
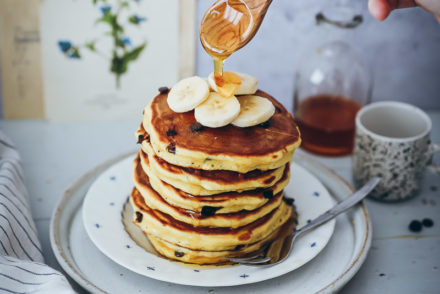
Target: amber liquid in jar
{"x": 327, "y": 123}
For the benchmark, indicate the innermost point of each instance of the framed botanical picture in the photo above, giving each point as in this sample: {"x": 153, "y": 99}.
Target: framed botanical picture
{"x": 105, "y": 59}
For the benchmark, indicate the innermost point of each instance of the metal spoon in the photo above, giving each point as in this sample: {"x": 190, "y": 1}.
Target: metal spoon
{"x": 278, "y": 250}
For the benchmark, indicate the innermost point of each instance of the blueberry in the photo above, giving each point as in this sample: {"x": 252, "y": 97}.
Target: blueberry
{"x": 415, "y": 226}
{"x": 289, "y": 201}
{"x": 268, "y": 194}
{"x": 138, "y": 216}
{"x": 196, "y": 127}
{"x": 164, "y": 90}
{"x": 171, "y": 133}
{"x": 178, "y": 253}
{"x": 171, "y": 148}
{"x": 265, "y": 124}
{"x": 427, "y": 222}
{"x": 209, "y": 210}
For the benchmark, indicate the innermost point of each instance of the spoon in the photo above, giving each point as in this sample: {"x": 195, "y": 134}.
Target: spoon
{"x": 228, "y": 25}
{"x": 278, "y": 250}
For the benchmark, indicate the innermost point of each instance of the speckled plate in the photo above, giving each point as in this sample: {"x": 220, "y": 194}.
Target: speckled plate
{"x": 326, "y": 273}
{"x": 102, "y": 219}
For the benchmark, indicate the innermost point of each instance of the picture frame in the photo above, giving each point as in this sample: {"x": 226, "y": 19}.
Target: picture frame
{"x": 96, "y": 60}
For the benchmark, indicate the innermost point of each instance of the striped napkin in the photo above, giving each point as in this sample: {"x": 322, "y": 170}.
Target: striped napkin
{"x": 22, "y": 268}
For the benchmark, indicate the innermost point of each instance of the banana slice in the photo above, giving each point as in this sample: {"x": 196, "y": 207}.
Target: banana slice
{"x": 254, "y": 110}
{"x": 217, "y": 111}
{"x": 187, "y": 94}
{"x": 248, "y": 84}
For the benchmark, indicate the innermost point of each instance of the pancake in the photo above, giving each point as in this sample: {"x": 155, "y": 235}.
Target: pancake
{"x": 175, "y": 252}
{"x": 202, "y": 182}
{"x": 164, "y": 227}
{"x": 206, "y": 218}
{"x": 222, "y": 203}
{"x": 174, "y": 139}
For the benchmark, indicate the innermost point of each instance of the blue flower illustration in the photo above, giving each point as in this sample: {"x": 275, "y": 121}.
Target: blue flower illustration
{"x": 124, "y": 52}
{"x": 74, "y": 54}
{"x": 135, "y": 19}
{"x": 105, "y": 9}
{"x": 126, "y": 41}
{"x": 64, "y": 45}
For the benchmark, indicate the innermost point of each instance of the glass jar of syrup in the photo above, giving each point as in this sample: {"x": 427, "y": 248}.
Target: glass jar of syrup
{"x": 331, "y": 85}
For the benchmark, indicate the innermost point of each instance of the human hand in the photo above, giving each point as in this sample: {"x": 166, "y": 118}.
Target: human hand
{"x": 380, "y": 9}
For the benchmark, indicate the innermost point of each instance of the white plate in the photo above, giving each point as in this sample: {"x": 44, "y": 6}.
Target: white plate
{"x": 102, "y": 219}
{"x": 326, "y": 273}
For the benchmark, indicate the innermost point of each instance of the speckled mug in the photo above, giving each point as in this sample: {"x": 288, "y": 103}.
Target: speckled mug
{"x": 392, "y": 142}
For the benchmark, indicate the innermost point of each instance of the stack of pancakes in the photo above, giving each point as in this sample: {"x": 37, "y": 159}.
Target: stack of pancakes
{"x": 201, "y": 193}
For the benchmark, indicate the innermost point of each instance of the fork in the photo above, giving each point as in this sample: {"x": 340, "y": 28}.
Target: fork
{"x": 279, "y": 249}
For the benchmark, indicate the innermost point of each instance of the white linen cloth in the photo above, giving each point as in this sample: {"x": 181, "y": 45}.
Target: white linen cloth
{"x": 22, "y": 268}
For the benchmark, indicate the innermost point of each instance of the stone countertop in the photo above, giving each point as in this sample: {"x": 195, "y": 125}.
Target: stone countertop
{"x": 55, "y": 155}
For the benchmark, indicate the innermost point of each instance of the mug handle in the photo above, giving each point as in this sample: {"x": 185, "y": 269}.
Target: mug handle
{"x": 432, "y": 167}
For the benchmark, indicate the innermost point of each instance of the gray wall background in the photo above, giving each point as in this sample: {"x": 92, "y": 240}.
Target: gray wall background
{"x": 403, "y": 52}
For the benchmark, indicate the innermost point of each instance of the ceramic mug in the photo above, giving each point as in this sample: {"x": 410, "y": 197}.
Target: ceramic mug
{"x": 392, "y": 142}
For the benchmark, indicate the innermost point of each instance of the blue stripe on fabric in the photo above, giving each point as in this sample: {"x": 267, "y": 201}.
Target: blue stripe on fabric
{"x": 21, "y": 212}
{"x": 15, "y": 168}
{"x": 11, "y": 291}
{"x": 4, "y": 249}
{"x": 23, "y": 228}
{"x": 10, "y": 242}
{"x": 8, "y": 178}
{"x": 7, "y": 144}
{"x": 13, "y": 233}
{"x": 15, "y": 195}
{"x": 13, "y": 181}
{"x": 19, "y": 281}
{"x": 33, "y": 273}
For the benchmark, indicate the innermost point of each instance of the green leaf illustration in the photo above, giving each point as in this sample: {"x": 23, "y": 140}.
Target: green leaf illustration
{"x": 74, "y": 53}
{"x": 97, "y": 1}
{"x": 91, "y": 46}
{"x": 120, "y": 63}
{"x": 122, "y": 52}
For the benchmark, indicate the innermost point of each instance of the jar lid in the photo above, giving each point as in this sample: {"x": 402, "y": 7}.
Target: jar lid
{"x": 340, "y": 16}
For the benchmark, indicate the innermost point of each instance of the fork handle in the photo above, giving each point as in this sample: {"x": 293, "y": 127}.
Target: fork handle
{"x": 341, "y": 206}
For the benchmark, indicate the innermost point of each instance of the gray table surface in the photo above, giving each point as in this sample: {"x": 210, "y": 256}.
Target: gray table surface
{"x": 55, "y": 155}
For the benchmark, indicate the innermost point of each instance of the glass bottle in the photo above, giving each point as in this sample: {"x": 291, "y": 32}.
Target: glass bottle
{"x": 331, "y": 84}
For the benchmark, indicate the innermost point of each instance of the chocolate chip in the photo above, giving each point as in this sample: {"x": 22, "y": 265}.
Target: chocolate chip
{"x": 138, "y": 216}
{"x": 415, "y": 226}
{"x": 289, "y": 201}
{"x": 265, "y": 125}
{"x": 196, "y": 127}
{"x": 427, "y": 222}
{"x": 268, "y": 194}
{"x": 171, "y": 148}
{"x": 178, "y": 253}
{"x": 209, "y": 210}
{"x": 238, "y": 247}
{"x": 171, "y": 133}
{"x": 140, "y": 139}
{"x": 164, "y": 90}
